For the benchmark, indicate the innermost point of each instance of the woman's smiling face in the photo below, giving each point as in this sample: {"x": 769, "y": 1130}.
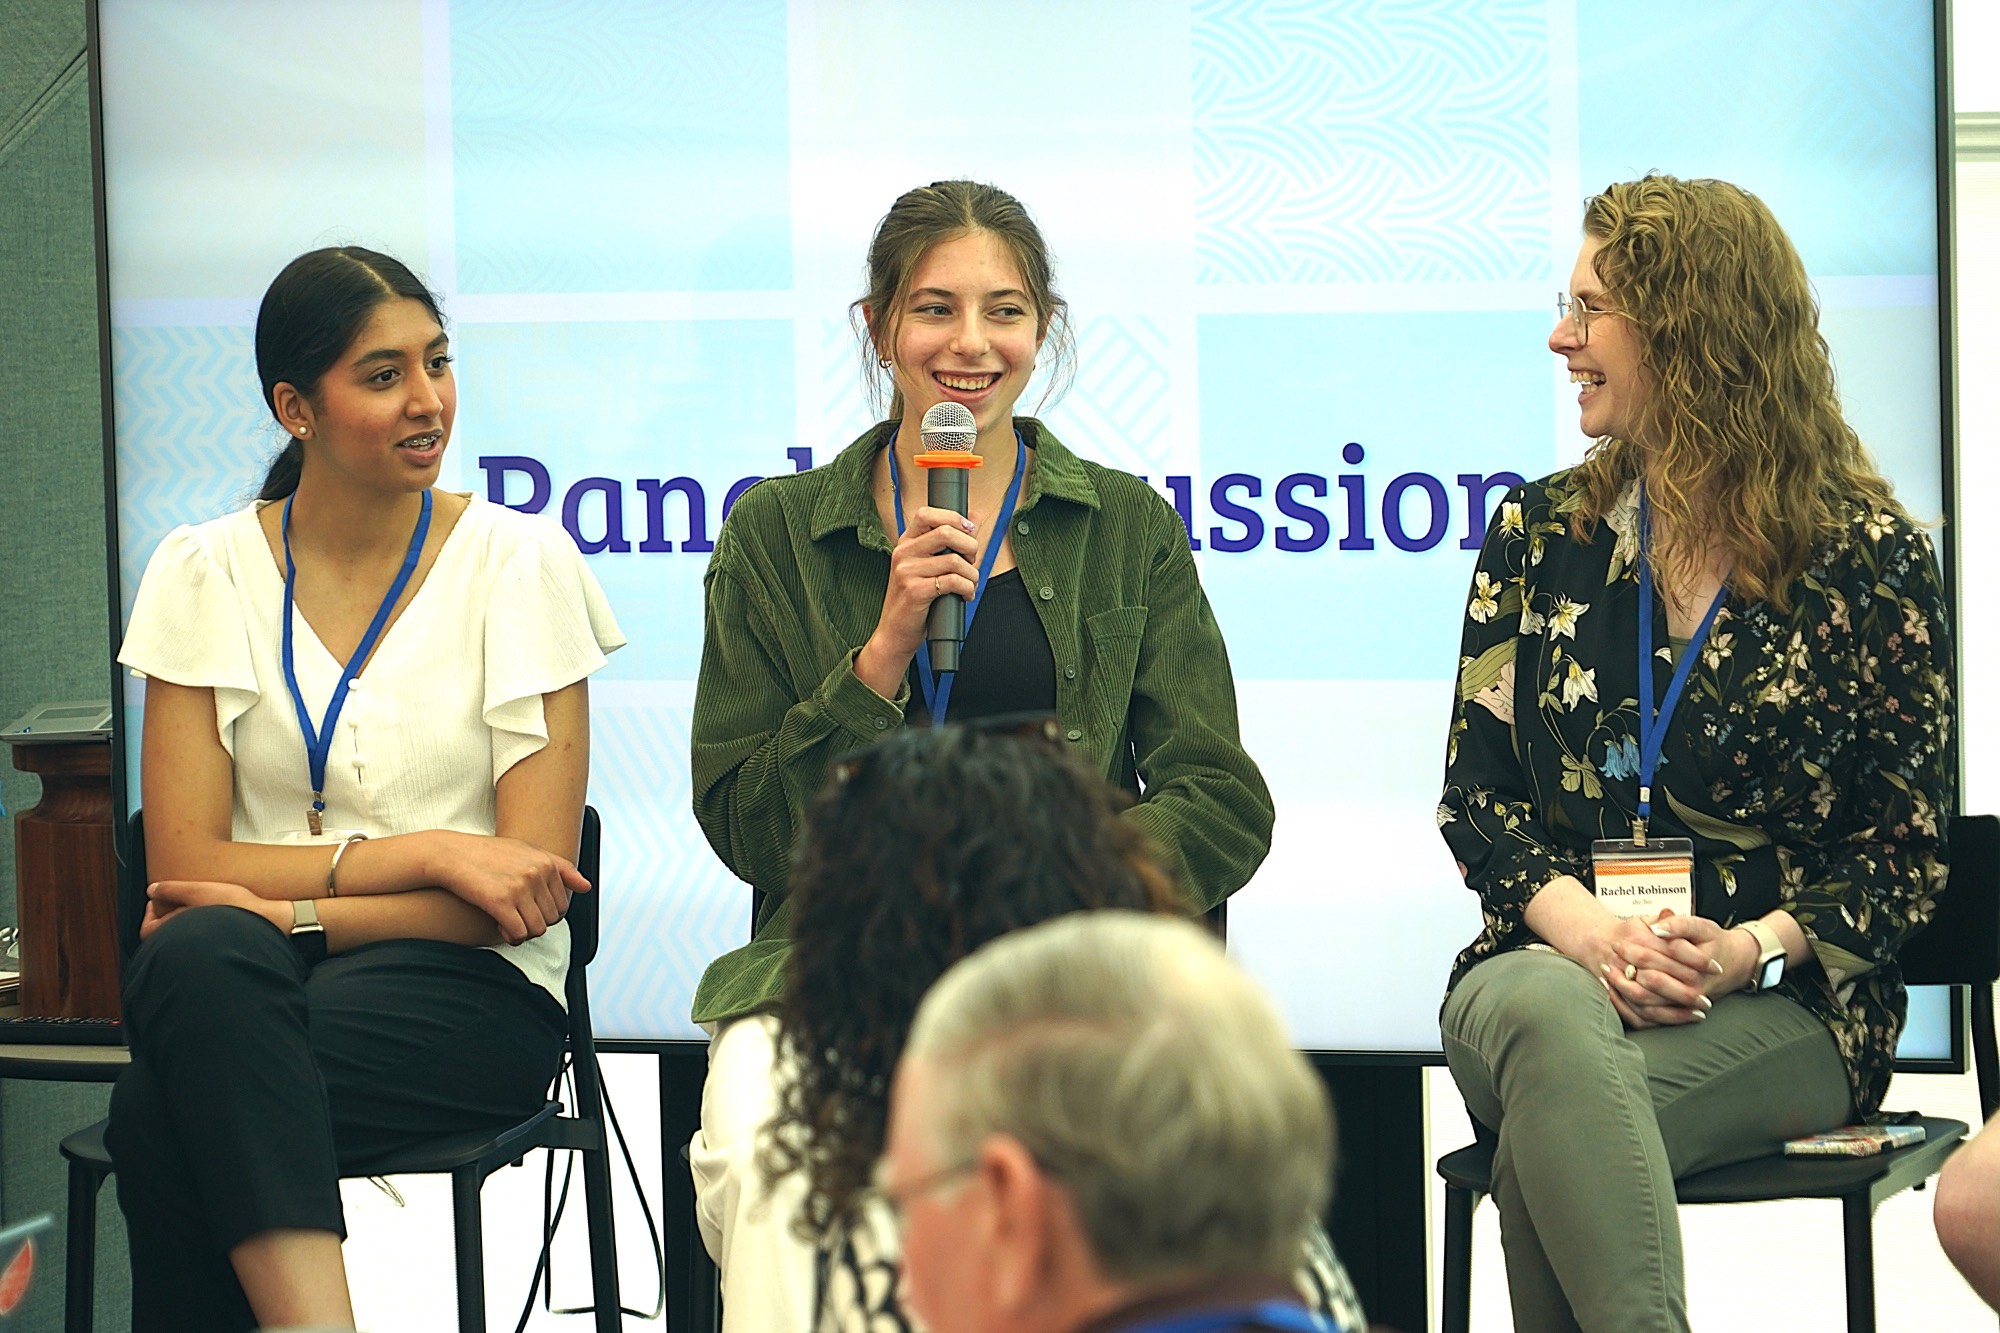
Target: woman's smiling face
{"x": 967, "y": 332}
{"x": 1605, "y": 364}
{"x": 382, "y": 413}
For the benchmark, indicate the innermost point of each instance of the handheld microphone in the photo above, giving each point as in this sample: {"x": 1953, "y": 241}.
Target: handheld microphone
{"x": 948, "y": 432}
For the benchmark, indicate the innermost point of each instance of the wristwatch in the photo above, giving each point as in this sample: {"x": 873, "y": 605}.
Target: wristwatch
{"x": 1770, "y": 966}
{"x": 305, "y": 918}
{"x": 308, "y": 935}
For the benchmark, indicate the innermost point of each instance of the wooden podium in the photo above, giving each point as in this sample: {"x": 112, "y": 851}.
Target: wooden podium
{"x": 66, "y": 878}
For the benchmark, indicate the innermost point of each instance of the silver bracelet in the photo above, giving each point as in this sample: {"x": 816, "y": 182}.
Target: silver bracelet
{"x": 339, "y": 852}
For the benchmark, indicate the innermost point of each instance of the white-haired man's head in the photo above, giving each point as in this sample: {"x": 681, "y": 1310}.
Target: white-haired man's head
{"x": 1091, "y": 1108}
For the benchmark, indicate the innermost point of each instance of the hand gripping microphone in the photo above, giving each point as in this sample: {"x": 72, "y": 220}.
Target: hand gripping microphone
{"x": 948, "y": 432}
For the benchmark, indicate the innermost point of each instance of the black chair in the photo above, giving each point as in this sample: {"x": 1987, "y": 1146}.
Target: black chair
{"x": 468, "y": 1158}
{"x": 1960, "y": 948}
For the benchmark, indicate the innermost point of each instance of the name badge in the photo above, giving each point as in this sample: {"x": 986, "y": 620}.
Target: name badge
{"x": 1635, "y": 879}
{"x": 325, "y": 837}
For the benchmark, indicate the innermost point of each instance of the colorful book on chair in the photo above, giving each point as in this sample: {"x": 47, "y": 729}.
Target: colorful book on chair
{"x": 1855, "y": 1141}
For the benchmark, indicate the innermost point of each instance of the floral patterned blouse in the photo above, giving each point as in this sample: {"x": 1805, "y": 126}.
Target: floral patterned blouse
{"x": 1809, "y": 759}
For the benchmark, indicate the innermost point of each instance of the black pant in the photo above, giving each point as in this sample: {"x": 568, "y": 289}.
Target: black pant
{"x": 257, "y": 1081}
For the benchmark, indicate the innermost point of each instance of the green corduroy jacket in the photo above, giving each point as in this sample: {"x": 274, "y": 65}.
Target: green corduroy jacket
{"x": 794, "y": 589}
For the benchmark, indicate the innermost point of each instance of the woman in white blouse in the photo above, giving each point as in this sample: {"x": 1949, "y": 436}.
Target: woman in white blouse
{"x": 366, "y": 739}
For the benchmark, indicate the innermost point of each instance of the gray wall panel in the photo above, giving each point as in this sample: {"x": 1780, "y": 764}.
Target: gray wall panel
{"x": 53, "y": 637}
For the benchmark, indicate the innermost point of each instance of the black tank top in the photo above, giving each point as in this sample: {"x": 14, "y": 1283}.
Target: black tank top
{"x": 1007, "y": 665}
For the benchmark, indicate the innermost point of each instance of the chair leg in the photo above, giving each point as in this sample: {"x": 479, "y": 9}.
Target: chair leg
{"x": 1858, "y": 1222}
{"x": 80, "y": 1267}
{"x": 1456, "y": 1312}
{"x": 603, "y": 1236}
{"x": 468, "y": 1245}
{"x": 680, "y": 1074}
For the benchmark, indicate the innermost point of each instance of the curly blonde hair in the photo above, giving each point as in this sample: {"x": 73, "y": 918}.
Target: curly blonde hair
{"x": 1742, "y": 435}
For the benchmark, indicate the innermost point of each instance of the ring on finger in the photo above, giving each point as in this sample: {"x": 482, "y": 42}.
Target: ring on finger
{"x": 937, "y": 585}
{"x": 1631, "y": 971}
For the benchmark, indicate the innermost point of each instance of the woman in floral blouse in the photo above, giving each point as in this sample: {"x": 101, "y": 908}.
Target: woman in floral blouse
{"x": 1807, "y": 759}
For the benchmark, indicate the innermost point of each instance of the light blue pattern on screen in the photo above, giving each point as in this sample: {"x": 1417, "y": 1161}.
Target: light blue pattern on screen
{"x": 710, "y": 400}
{"x": 1380, "y": 141}
{"x": 1119, "y": 412}
{"x": 1820, "y": 107}
{"x": 194, "y": 439}
{"x": 673, "y": 906}
{"x": 634, "y": 146}
{"x": 1433, "y": 395}
{"x": 843, "y": 384}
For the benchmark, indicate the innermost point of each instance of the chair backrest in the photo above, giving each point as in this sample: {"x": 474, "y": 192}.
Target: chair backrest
{"x": 132, "y": 881}
{"x": 1961, "y": 945}
{"x": 584, "y": 910}
{"x": 583, "y": 907}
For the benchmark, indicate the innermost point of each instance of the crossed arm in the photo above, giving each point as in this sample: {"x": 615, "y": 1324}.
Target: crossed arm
{"x": 436, "y": 884}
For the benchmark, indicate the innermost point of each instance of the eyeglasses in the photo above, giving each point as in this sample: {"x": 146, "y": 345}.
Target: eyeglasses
{"x": 1581, "y": 311}
{"x": 894, "y": 1203}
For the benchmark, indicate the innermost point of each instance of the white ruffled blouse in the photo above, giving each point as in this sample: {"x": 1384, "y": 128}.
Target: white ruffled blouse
{"x": 451, "y": 700}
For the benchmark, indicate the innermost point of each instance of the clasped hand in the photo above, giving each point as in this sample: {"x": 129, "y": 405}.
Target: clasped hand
{"x": 1662, "y": 971}
{"x": 169, "y": 897}
{"x": 523, "y": 888}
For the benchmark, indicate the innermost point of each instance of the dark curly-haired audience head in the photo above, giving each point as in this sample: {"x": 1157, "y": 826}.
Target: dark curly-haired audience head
{"x": 919, "y": 850}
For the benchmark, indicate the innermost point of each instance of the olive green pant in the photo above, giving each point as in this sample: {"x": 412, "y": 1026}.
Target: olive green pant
{"x": 1595, "y": 1122}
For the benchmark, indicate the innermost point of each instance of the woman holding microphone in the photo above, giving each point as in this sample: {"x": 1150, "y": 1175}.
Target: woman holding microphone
{"x": 1698, "y": 768}
{"x": 1082, "y": 601}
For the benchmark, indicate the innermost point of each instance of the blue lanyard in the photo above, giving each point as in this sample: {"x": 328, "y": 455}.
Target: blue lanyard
{"x": 1653, "y": 722}
{"x": 319, "y": 744}
{"x": 937, "y": 693}
{"x": 1278, "y": 1316}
